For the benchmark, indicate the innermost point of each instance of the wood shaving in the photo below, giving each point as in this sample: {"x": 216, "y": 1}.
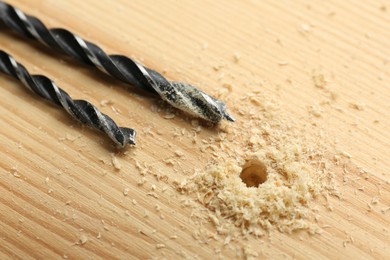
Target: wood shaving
{"x": 116, "y": 163}
{"x": 358, "y": 106}
{"x": 236, "y": 57}
{"x": 159, "y": 246}
{"x": 315, "y": 111}
{"x": 283, "y": 63}
{"x": 71, "y": 137}
{"x": 105, "y": 102}
{"x": 179, "y": 153}
{"x": 83, "y": 239}
{"x": 14, "y": 171}
{"x": 152, "y": 194}
{"x": 169, "y": 115}
{"x": 319, "y": 80}
{"x": 305, "y": 28}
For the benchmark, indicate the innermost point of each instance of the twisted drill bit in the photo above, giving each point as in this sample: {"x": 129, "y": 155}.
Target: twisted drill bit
{"x": 180, "y": 95}
{"x": 80, "y": 110}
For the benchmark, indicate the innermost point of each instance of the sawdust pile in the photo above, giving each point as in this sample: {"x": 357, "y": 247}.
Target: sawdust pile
{"x": 297, "y": 172}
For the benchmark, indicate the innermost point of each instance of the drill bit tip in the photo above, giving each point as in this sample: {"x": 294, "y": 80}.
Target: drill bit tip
{"x": 194, "y": 101}
{"x": 129, "y": 136}
{"x": 229, "y": 117}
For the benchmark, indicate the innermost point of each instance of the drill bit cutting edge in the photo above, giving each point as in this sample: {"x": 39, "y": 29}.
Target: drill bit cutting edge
{"x": 80, "y": 110}
{"x": 180, "y": 95}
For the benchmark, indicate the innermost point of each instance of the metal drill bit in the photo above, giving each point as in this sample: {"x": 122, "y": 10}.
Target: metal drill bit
{"x": 180, "y": 95}
{"x": 81, "y": 110}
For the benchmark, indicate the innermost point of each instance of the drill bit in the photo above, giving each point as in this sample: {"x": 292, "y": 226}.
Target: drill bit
{"x": 180, "y": 95}
{"x": 81, "y": 110}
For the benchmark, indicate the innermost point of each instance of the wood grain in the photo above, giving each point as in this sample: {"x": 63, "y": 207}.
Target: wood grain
{"x": 57, "y": 184}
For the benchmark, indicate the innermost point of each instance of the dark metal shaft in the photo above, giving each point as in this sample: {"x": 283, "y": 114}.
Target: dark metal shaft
{"x": 180, "y": 95}
{"x": 81, "y": 110}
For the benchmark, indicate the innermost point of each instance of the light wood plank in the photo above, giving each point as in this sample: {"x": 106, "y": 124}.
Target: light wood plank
{"x": 57, "y": 184}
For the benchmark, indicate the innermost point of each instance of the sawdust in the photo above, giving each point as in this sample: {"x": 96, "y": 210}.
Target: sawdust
{"x": 296, "y": 168}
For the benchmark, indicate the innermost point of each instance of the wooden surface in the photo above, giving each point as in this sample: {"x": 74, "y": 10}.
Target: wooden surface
{"x": 61, "y": 197}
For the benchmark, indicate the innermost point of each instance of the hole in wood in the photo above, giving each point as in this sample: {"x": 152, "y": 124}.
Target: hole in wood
{"x": 253, "y": 173}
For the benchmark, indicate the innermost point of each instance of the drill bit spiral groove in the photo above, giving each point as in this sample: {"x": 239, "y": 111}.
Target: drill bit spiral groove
{"x": 180, "y": 95}
{"x": 81, "y": 110}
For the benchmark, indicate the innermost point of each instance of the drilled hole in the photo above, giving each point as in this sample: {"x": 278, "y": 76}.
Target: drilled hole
{"x": 253, "y": 173}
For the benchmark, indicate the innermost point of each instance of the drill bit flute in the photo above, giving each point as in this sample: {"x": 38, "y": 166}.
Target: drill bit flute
{"x": 180, "y": 95}
{"x": 81, "y": 110}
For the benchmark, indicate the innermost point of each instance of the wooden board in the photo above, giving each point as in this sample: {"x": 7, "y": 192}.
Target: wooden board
{"x": 58, "y": 187}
